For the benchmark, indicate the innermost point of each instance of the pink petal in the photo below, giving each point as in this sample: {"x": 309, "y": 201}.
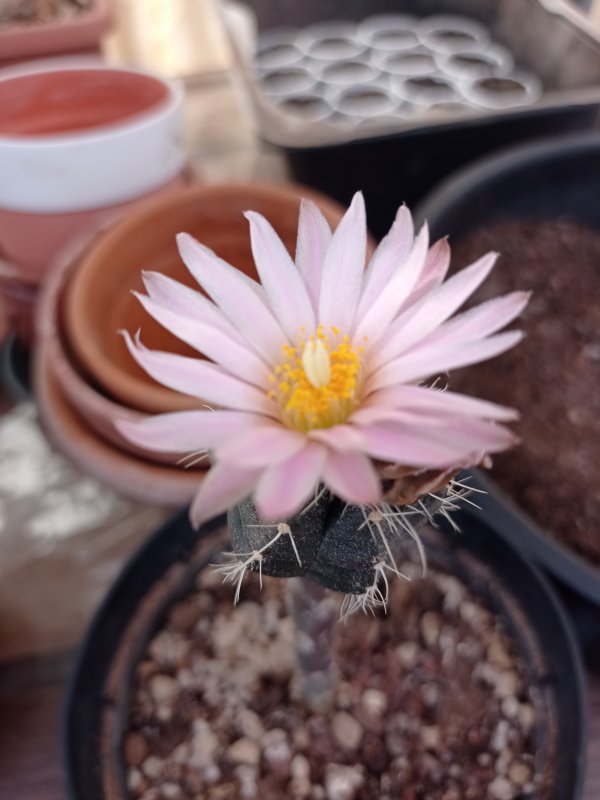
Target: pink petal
{"x": 222, "y": 487}
{"x": 212, "y": 342}
{"x": 422, "y": 362}
{"x": 444, "y": 402}
{"x": 284, "y": 489}
{"x": 389, "y": 256}
{"x": 199, "y": 378}
{"x": 261, "y": 447}
{"x": 377, "y": 319}
{"x": 416, "y": 323}
{"x": 237, "y": 298}
{"x": 352, "y": 477}
{"x": 187, "y": 431}
{"x": 314, "y": 237}
{"x": 437, "y": 445}
{"x": 186, "y": 302}
{"x": 400, "y": 444}
{"x": 481, "y": 321}
{"x": 343, "y": 269}
{"x": 281, "y": 280}
{"x": 339, "y": 437}
{"x": 436, "y": 265}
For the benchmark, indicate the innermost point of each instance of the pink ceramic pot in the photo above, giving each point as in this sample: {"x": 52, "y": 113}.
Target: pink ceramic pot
{"x": 79, "y": 140}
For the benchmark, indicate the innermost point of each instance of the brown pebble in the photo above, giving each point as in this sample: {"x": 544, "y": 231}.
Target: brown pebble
{"x": 526, "y": 716}
{"x": 430, "y": 736}
{"x": 225, "y": 791}
{"x": 136, "y": 749}
{"x": 184, "y": 615}
{"x": 374, "y": 754}
{"x": 498, "y": 655}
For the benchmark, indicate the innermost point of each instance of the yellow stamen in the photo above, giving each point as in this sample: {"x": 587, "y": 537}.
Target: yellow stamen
{"x": 318, "y": 383}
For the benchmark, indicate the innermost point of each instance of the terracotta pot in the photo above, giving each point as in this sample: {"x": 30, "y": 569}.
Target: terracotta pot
{"x": 95, "y": 409}
{"x": 132, "y": 477}
{"x": 80, "y": 33}
{"x": 79, "y": 140}
{"x": 98, "y": 301}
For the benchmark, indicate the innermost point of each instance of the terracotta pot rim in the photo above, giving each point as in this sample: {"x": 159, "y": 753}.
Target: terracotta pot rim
{"x": 78, "y": 328}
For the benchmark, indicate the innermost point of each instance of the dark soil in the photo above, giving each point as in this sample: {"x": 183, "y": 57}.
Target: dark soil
{"x": 552, "y": 377}
{"x": 432, "y": 703}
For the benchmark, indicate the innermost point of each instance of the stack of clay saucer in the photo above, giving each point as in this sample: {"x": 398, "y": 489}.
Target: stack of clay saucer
{"x": 84, "y": 377}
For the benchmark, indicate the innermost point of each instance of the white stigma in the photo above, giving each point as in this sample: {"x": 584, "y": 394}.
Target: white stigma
{"x": 316, "y": 364}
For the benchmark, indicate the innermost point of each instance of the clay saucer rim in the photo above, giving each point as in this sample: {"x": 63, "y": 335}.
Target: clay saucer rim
{"x": 137, "y": 392}
{"x": 127, "y": 475}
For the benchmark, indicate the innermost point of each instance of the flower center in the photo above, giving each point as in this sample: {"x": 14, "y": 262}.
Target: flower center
{"x": 318, "y": 383}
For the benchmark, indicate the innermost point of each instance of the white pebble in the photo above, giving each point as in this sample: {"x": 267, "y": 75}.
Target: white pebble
{"x": 244, "y": 751}
{"x": 374, "y": 702}
{"x": 431, "y": 625}
{"x": 163, "y": 689}
{"x": 346, "y": 730}
{"x": 408, "y": 654}
{"x": 249, "y": 724}
{"x": 501, "y": 789}
{"x": 152, "y": 767}
{"x": 171, "y": 791}
{"x": 204, "y": 744}
{"x": 342, "y": 783}
{"x": 135, "y": 780}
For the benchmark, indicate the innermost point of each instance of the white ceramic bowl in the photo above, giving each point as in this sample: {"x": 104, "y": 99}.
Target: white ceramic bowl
{"x": 94, "y": 158}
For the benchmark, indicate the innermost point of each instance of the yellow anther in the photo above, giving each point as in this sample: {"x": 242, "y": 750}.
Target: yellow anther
{"x": 319, "y": 381}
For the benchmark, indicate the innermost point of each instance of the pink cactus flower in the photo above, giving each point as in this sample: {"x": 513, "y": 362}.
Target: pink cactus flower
{"x": 318, "y": 371}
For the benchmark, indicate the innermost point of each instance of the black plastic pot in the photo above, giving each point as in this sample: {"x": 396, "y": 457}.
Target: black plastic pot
{"x": 164, "y": 569}
{"x": 549, "y": 179}
{"x": 404, "y": 167}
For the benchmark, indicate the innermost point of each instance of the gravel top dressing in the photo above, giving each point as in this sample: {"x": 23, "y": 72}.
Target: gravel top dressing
{"x": 433, "y": 702}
